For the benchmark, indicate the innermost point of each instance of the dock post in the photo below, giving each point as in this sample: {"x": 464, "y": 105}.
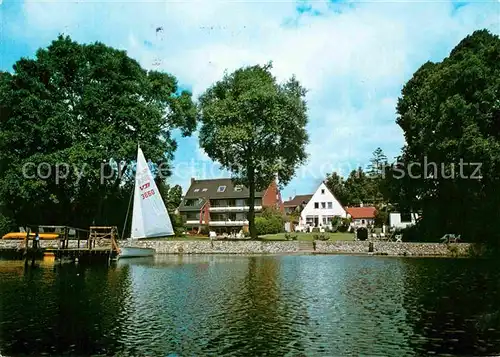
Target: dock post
{"x": 26, "y": 246}
{"x": 66, "y": 237}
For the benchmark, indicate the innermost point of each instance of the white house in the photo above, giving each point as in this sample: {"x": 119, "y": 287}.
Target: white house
{"x": 321, "y": 209}
{"x": 361, "y": 216}
{"x": 398, "y": 220}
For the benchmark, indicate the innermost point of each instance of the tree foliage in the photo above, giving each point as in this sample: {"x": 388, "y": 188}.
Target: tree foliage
{"x": 336, "y": 185}
{"x": 255, "y": 127}
{"x": 450, "y": 113}
{"x": 82, "y": 105}
{"x": 360, "y": 186}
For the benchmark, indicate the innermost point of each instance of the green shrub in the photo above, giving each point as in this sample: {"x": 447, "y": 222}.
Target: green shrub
{"x": 6, "y": 225}
{"x": 289, "y": 236}
{"x": 362, "y": 233}
{"x": 271, "y": 225}
{"x": 179, "y": 231}
{"x": 321, "y": 236}
{"x": 315, "y": 230}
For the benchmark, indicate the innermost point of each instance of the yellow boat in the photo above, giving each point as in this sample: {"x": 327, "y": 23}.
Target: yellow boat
{"x": 21, "y": 235}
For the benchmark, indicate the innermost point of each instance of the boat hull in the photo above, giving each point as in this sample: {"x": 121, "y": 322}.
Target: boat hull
{"x": 135, "y": 252}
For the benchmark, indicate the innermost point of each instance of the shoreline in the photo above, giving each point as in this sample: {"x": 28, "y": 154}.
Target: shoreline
{"x": 382, "y": 249}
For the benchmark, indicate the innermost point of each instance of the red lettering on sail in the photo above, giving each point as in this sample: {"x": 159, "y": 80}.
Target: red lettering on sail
{"x": 143, "y": 187}
{"x": 147, "y": 194}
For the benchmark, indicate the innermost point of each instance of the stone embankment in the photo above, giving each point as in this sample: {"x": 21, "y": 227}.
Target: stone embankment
{"x": 321, "y": 247}
{"x": 219, "y": 247}
{"x": 393, "y": 248}
{"x": 279, "y": 247}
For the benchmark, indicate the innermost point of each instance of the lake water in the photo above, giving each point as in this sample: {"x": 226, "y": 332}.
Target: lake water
{"x": 252, "y": 306}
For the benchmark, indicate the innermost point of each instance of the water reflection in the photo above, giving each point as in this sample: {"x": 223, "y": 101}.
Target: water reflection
{"x": 455, "y": 306}
{"x": 251, "y": 305}
{"x": 58, "y": 309}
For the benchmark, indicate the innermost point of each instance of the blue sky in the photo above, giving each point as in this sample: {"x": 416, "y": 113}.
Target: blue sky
{"x": 353, "y": 57}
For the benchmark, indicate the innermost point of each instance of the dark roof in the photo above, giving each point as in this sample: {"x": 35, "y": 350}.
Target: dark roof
{"x": 208, "y": 189}
{"x": 297, "y": 200}
{"x": 361, "y": 212}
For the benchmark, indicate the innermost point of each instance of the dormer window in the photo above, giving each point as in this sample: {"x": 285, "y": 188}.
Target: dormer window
{"x": 204, "y": 190}
{"x": 238, "y": 188}
{"x": 196, "y": 190}
{"x": 221, "y": 189}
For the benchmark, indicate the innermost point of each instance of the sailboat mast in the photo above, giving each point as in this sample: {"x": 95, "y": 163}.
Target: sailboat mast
{"x": 129, "y": 201}
{"x": 128, "y": 211}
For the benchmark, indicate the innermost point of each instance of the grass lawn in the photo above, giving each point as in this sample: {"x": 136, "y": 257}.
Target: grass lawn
{"x": 310, "y": 236}
{"x": 280, "y": 236}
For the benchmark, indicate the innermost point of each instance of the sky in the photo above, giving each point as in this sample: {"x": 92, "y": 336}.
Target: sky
{"x": 353, "y": 57}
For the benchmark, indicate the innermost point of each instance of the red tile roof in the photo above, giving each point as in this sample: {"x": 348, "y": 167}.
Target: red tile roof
{"x": 361, "y": 212}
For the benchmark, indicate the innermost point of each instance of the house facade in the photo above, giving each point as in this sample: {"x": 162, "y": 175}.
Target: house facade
{"x": 320, "y": 209}
{"x": 361, "y": 216}
{"x": 296, "y": 204}
{"x": 223, "y": 206}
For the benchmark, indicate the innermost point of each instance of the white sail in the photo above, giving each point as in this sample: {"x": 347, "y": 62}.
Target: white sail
{"x": 150, "y": 217}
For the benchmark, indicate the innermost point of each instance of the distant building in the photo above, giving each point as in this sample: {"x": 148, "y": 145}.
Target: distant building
{"x": 296, "y": 204}
{"x": 361, "y": 216}
{"x": 402, "y": 220}
{"x": 321, "y": 208}
{"x": 223, "y": 206}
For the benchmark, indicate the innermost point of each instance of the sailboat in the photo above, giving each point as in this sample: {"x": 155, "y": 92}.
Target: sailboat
{"x": 150, "y": 217}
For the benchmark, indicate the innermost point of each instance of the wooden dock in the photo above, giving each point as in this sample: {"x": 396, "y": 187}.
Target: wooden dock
{"x": 97, "y": 244}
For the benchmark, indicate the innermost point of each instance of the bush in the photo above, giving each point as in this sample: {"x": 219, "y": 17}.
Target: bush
{"x": 362, "y": 233}
{"x": 343, "y": 229}
{"x": 270, "y": 225}
{"x": 315, "y": 230}
{"x": 179, "y": 231}
{"x": 321, "y": 236}
{"x": 6, "y": 225}
{"x": 289, "y": 236}
{"x": 178, "y": 224}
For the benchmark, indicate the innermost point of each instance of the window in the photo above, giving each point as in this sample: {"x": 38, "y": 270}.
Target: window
{"x": 316, "y": 204}
{"x": 196, "y": 190}
{"x": 330, "y": 205}
{"x": 204, "y": 190}
{"x": 324, "y": 220}
{"x": 323, "y": 204}
{"x": 362, "y": 221}
{"x": 322, "y": 191}
{"x": 221, "y": 189}
{"x": 238, "y": 188}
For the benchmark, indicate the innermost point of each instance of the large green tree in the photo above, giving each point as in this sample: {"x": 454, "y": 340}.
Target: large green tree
{"x": 80, "y": 106}
{"x": 450, "y": 114}
{"x": 255, "y": 127}
{"x": 336, "y": 185}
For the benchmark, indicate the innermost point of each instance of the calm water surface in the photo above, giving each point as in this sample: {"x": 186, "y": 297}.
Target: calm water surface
{"x": 251, "y": 306}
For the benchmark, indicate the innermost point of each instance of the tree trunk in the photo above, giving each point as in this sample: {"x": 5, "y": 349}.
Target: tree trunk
{"x": 251, "y": 204}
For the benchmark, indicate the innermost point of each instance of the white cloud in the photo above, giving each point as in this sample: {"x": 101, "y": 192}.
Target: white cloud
{"x": 353, "y": 59}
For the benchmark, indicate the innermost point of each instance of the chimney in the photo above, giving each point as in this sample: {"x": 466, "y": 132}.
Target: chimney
{"x": 289, "y": 198}
{"x": 192, "y": 180}
{"x": 361, "y": 204}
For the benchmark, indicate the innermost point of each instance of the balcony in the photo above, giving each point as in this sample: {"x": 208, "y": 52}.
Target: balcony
{"x": 227, "y": 223}
{"x": 193, "y": 222}
{"x": 233, "y": 208}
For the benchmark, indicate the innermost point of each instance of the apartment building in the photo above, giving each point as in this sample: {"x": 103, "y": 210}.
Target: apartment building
{"x": 223, "y": 206}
